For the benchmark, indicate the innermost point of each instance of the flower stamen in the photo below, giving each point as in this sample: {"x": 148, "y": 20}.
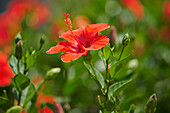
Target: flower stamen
{"x": 68, "y": 23}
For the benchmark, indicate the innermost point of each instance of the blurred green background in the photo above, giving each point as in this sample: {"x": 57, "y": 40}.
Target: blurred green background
{"x": 148, "y": 22}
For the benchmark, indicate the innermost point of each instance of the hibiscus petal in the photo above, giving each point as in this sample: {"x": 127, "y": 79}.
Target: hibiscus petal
{"x": 96, "y": 27}
{"x": 99, "y": 42}
{"x": 70, "y": 37}
{"x": 61, "y": 46}
{"x": 68, "y": 56}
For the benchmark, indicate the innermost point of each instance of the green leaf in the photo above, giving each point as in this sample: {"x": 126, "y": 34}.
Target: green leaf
{"x": 52, "y": 73}
{"x": 106, "y": 52}
{"x": 31, "y": 59}
{"x": 115, "y": 88}
{"x": 131, "y": 109}
{"x": 117, "y": 66}
{"x": 3, "y": 100}
{"x": 13, "y": 64}
{"x": 31, "y": 89}
{"x": 101, "y": 57}
{"x": 99, "y": 78}
{"x": 21, "y": 81}
{"x": 14, "y": 109}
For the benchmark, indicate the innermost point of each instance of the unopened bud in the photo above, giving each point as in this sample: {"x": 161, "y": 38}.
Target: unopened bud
{"x": 125, "y": 40}
{"x": 18, "y": 50}
{"x": 113, "y": 35}
{"x": 42, "y": 41}
{"x": 52, "y": 73}
{"x": 58, "y": 108}
{"x": 151, "y": 104}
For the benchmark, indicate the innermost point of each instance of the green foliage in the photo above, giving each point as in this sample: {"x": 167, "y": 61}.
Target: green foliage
{"x": 108, "y": 107}
{"x": 13, "y": 62}
{"x": 32, "y": 58}
{"x": 31, "y": 89}
{"x": 106, "y": 52}
{"x": 14, "y": 109}
{"x": 20, "y": 81}
{"x": 3, "y": 100}
{"x": 117, "y": 66}
{"x": 95, "y": 74}
{"x": 131, "y": 109}
{"x": 115, "y": 88}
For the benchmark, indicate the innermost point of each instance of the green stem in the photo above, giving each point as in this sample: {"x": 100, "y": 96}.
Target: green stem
{"x": 19, "y": 100}
{"x": 20, "y": 92}
{"x": 121, "y": 52}
{"x": 108, "y": 79}
{"x": 107, "y": 73}
{"x": 18, "y": 67}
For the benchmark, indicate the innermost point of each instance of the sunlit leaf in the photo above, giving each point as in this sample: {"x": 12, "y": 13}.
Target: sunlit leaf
{"x": 115, "y": 88}
{"x": 31, "y": 89}
{"x": 14, "y": 109}
{"x": 98, "y": 78}
{"x": 118, "y": 65}
{"x": 31, "y": 59}
{"x": 106, "y": 52}
{"x": 21, "y": 81}
{"x": 52, "y": 73}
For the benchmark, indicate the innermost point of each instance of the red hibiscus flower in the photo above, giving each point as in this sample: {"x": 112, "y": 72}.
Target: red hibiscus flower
{"x": 135, "y": 6}
{"x": 166, "y": 10}
{"x": 80, "y": 41}
{"x": 46, "y": 110}
{"x": 46, "y": 98}
{"x": 6, "y": 73}
{"x": 17, "y": 11}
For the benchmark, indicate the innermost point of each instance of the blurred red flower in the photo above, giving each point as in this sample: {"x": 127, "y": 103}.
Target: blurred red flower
{"x": 80, "y": 41}
{"x": 165, "y": 33}
{"x": 58, "y": 108}
{"x": 21, "y": 8}
{"x": 17, "y": 11}
{"x": 135, "y": 6}
{"x": 166, "y": 10}
{"x": 45, "y": 98}
{"x": 40, "y": 15}
{"x": 6, "y": 73}
{"x": 46, "y": 110}
{"x": 81, "y": 20}
{"x": 55, "y": 29}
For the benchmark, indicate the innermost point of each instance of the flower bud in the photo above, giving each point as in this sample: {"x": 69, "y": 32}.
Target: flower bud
{"x": 42, "y": 41}
{"x": 52, "y": 73}
{"x": 18, "y": 50}
{"x": 151, "y": 104}
{"x": 58, "y": 108}
{"x": 125, "y": 40}
{"x": 113, "y": 35}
